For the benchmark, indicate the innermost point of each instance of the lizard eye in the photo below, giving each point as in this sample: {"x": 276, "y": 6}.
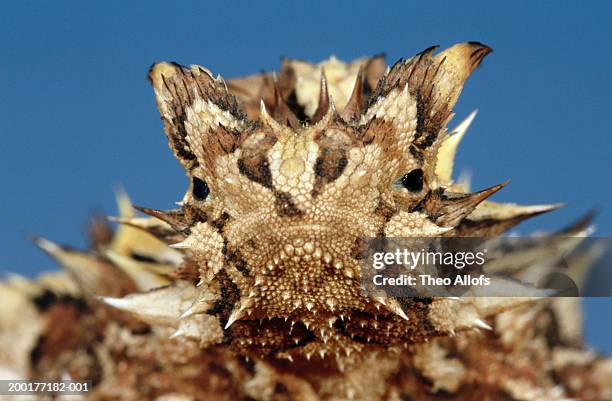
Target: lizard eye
{"x": 413, "y": 181}
{"x": 200, "y": 189}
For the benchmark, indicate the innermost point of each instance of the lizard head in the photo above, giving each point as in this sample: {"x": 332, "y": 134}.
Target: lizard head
{"x": 287, "y": 176}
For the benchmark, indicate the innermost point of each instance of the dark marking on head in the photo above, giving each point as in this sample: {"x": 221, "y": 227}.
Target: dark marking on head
{"x": 386, "y": 210}
{"x": 257, "y": 169}
{"x": 235, "y": 258}
{"x": 416, "y": 153}
{"x": 285, "y": 207}
{"x": 330, "y": 164}
{"x": 222, "y": 308}
{"x": 219, "y": 223}
{"x": 193, "y": 215}
{"x": 378, "y": 130}
{"x": 221, "y": 141}
{"x": 242, "y": 266}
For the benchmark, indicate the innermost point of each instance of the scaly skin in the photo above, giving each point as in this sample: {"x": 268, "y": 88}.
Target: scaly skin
{"x": 250, "y": 290}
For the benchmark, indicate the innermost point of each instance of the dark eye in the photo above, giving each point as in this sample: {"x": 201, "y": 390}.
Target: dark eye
{"x": 200, "y": 189}
{"x": 413, "y": 181}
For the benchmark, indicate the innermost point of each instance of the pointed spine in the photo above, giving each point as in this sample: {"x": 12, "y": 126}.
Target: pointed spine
{"x": 324, "y": 103}
{"x": 282, "y": 113}
{"x": 354, "y": 106}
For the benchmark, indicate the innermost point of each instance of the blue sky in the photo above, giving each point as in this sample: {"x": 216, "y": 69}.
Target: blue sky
{"x": 78, "y": 117}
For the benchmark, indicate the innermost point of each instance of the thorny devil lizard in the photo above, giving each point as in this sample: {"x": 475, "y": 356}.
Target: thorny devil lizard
{"x": 250, "y": 289}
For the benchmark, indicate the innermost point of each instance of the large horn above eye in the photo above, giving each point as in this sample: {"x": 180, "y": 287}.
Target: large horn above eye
{"x": 200, "y": 117}
{"x": 434, "y": 83}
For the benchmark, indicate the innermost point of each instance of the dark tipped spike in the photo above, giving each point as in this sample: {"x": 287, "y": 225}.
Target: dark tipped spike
{"x": 491, "y": 226}
{"x": 580, "y": 225}
{"x": 354, "y": 106}
{"x": 448, "y": 209}
{"x": 282, "y": 113}
{"x": 92, "y": 274}
{"x": 174, "y": 218}
{"x": 324, "y": 103}
{"x": 100, "y": 234}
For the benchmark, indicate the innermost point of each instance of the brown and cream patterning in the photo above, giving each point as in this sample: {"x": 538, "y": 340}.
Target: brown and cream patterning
{"x": 250, "y": 290}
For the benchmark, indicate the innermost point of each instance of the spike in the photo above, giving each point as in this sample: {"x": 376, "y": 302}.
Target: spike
{"x": 267, "y": 119}
{"x": 161, "y": 306}
{"x": 174, "y": 218}
{"x": 124, "y": 204}
{"x": 582, "y": 224}
{"x": 99, "y": 232}
{"x": 448, "y": 148}
{"x": 94, "y": 276}
{"x": 179, "y": 245}
{"x": 482, "y": 324}
{"x": 142, "y": 223}
{"x": 234, "y": 316}
{"x": 282, "y": 113}
{"x": 198, "y": 307}
{"x": 464, "y": 57}
{"x": 263, "y": 111}
{"x": 327, "y": 257}
{"x": 353, "y": 108}
{"x": 394, "y": 306}
{"x": 144, "y": 279}
{"x": 176, "y": 334}
{"x": 448, "y": 208}
{"x": 491, "y": 218}
{"x": 119, "y": 303}
{"x": 324, "y": 103}
{"x": 189, "y": 312}
{"x": 48, "y": 246}
{"x": 458, "y": 62}
{"x": 296, "y": 303}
